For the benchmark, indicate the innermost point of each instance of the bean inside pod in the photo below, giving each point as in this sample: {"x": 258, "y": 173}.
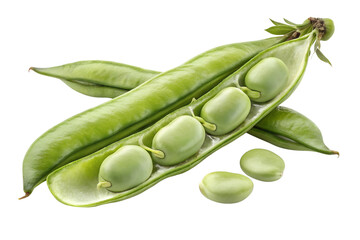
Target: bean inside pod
{"x": 225, "y": 111}
{"x": 266, "y": 79}
{"x": 128, "y": 167}
{"x": 177, "y": 141}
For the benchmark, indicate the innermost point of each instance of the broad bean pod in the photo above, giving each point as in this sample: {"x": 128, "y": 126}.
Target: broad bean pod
{"x": 75, "y": 183}
{"x": 100, "y": 126}
{"x": 284, "y": 127}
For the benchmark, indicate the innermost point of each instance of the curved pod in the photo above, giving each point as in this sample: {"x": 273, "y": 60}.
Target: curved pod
{"x": 98, "y": 127}
{"x": 284, "y": 132}
{"x": 283, "y": 127}
{"x": 65, "y": 187}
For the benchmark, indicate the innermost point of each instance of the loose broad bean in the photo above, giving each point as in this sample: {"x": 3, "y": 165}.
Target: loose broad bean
{"x": 126, "y": 168}
{"x": 226, "y": 111}
{"x": 226, "y": 187}
{"x": 266, "y": 79}
{"x": 262, "y": 164}
{"x": 177, "y": 141}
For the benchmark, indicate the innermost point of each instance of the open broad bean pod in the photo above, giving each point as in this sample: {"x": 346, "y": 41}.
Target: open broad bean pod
{"x": 75, "y": 184}
{"x": 95, "y": 128}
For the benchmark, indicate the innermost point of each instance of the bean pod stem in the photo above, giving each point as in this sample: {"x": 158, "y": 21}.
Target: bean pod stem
{"x": 157, "y": 153}
{"x": 251, "y": 93}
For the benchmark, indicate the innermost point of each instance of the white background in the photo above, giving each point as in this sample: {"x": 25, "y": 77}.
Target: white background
{"x": 318, "y": 196}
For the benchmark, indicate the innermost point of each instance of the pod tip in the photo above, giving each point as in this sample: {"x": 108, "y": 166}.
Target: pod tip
{"x": 30, "y": 68}
{"x": 25, "y": 196}
{"x": 335, "y": 152}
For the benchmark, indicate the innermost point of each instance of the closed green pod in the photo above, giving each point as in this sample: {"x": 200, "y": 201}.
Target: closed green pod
{"x": 226, "y": 187}
{"x": 262, "y": 165}
{"x": 227, "y": 110}
{"x": 268, "y": 77}
{"x": 128, "y": 167}
{"x": 180, "y": 139}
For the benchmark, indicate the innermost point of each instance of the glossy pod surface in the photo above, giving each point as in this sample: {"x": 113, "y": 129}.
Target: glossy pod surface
{"x": 65, "y": 186}
{"x": 226, "y": 110}
{"x": 98, "y": 127}
{"x": 226, "y": 187}
{"x": 269, "y": 77}
{"x": 262, "y": 165}
{"x": 179, "y": 140}
{"x": 126, "y": 168}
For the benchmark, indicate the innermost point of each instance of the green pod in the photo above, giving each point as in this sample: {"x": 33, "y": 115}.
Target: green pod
{"x": 276, "y": 128}
{"x": 289, "y": 129}
{"x": 126, "y": 114}
{"x": 286, "y": 132}
{"x": 128, "y": 167}
{"x": 179, "y": 140}
{"x": 226, "y": 110}
{"x": 100, "y": 126}
{"x": 268, "y": 77}
{"x": 99, "y": 78}
{"x": 262, "y": 165}
{"x": 226, "y": 187}
{"x": 65, "y": 182}
{"x": 282, "y": 131}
